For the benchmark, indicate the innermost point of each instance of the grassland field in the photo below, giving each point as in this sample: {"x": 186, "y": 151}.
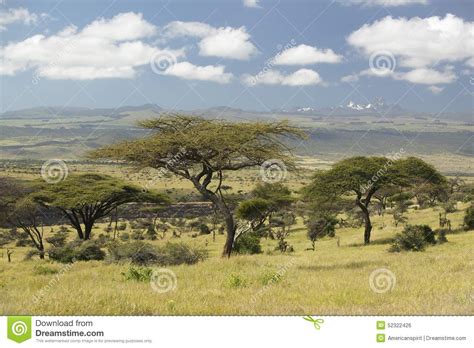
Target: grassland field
{"x": 333, "y": 279}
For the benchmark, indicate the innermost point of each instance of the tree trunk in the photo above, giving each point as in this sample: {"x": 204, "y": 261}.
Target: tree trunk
{"x": 368, "y": 225}
{"x": 230, "y": 227}
{"x": 88, "y": 230}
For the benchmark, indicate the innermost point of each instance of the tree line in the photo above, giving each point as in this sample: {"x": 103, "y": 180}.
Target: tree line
{"x": 203, "y": 151}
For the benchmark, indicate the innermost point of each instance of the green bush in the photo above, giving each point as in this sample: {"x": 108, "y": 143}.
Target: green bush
{"x": 247, "y": 243}
{"x": 321, "y": 226}
{"x": 150, "y": 233}
{"x": 449, "y": 206}
{"x": 180, "y": 253}
{"x": 139, "y": 274}
{"x": 236, "y": 281}
{"x": 469, "y": 218}
{"x": 142, "y": 253}
{"x": 138, "y": 252}
{"x": 441, "y": 235}
{"x": 124, "y": 236}
{"x": 204, "y": 229}
{"x": 58, "y": 239}
{"x": 65, "y": 254}
{"x": 414, "y": 238}
{"x": 77, "y": 251}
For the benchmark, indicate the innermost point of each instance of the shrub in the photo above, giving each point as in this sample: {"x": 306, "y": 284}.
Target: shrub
{"x": 180, "y": 253}
{"x": 24, "y": 243}
{"x": 77, "y": 251}
{"x": 270, "y": 278}
{"x": 449, "y": 206}
{"x": 63, "y": 254}
{"x": 469, "y": 218}
{"x": 414, "y": 238}
{"x": 102, "y": 240}
{"x": 441, "y": 234}
{"x": 58, "y": 239}
{"x": 151, "y": 234}
{"x": 235, "y": 281}
{"x": 319, "y": 227}
{"x": 247, "y": 243}
{"x": 88, "y": 251}
{"x": 138, "y": 252}
{"x": 139, "y": 274}
{"x": 32, "y": 253}
{"x": 142, "y": 253}
{"x": 124, "y": 236}
{"x": 204, "y": 229}
{"x": 138, "y": 235}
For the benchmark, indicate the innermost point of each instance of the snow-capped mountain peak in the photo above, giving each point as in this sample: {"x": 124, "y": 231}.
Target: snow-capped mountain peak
{"x": 378, "y": 103}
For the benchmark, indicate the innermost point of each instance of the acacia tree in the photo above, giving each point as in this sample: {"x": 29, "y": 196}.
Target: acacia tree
{"x": 203, "y": 150}
{"x": 266, "y": 200}
{"x": 361, "y": 178}
{"x": 85, "y": 198}
{"x": 10, "y": 192}
{"x": 27, "y": 216}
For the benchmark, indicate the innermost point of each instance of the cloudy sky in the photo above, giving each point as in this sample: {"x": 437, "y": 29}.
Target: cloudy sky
{"x": 250, "y": 54}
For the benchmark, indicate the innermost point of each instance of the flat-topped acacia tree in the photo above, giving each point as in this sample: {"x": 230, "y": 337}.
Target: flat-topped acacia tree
{"x": 363, "y": 177}
{"x": 202, "y": 150}
{"x": 86, "y": 198}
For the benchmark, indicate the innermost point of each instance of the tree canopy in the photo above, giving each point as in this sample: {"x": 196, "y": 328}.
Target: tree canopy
{"x": 362, "y": 177}
{"x": 201, "y": 150}
{"x": 88, "y": 197}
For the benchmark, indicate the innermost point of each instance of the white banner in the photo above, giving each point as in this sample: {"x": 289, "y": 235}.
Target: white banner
{"x": 238, "y": 332}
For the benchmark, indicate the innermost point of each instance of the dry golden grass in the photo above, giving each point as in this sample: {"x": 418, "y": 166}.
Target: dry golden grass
{"x": 330, "y": 280}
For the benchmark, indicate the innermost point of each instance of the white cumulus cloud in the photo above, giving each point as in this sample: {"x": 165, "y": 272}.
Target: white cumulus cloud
{"x": 223, "y": 42}
{"x": 305, "y": 55}
{"x": 188, "y": 71}
{"x": 252, "y": 3}
{"x": 427, "y": 76}
{"x": 435, "y": 89}
{"x": 106, "y": 48}
{"x": 18, "y": 15}
{"x": 422, "y": 47}
{"x": 302, "y": 77}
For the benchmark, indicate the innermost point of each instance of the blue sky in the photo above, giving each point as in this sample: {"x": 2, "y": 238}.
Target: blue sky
{"x": 256, "y": 55}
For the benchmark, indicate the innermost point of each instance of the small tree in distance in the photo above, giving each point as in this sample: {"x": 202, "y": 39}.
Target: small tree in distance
{"x": 203, "y": 150}
{"x": 88, "y": 197}
{"x": 360, "y": 178}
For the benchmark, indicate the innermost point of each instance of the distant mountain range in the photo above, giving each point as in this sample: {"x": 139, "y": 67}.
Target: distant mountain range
{"x": 43, "y": 111}
{"x": 377, "y": 107}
